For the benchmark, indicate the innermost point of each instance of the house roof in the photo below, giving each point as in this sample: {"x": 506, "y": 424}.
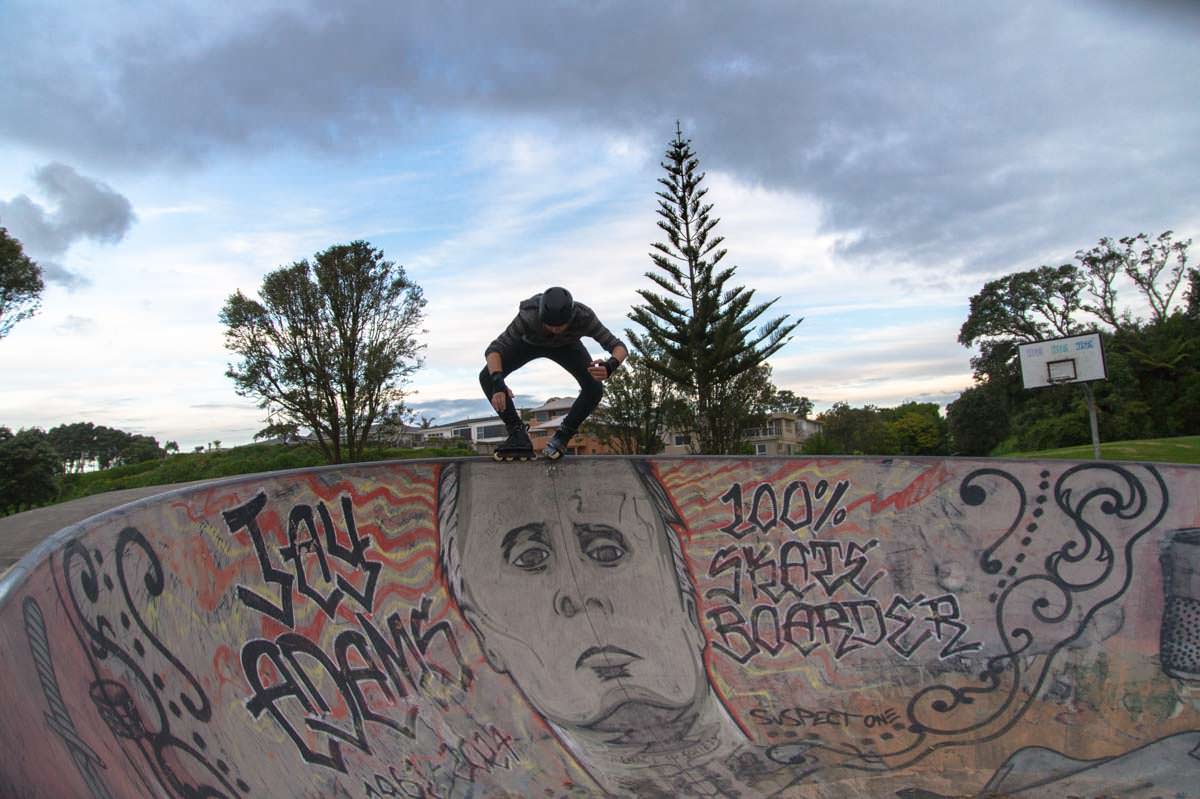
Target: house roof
{"x": 555, "y": 403}
{"x": 465, "y": 422}
{"x": 553, "y": 423}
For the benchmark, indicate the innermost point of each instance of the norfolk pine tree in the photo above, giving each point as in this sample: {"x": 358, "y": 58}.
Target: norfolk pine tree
{"x": 703, "y": 329}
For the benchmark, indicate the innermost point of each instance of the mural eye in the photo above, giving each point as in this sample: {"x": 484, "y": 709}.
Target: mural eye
{"x": 606, "y": 553}
{"x": 531, "y": 558}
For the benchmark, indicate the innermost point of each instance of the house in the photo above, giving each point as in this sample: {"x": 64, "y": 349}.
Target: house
{"x": 781, "y": 434}
{"x": 544, "y": 421}
{"x": 482, "y": 433}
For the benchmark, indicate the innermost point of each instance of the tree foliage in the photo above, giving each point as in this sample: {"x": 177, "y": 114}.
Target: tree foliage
{"x": 699, "y": 329}
{"x": 84, "y": 444}
{"x": 738, "y": 405}
{"x": 635, "y": 410}
{"x": 1155, "y": 267}
{"x": 328, "y": 344}
{"x": 284, "y": 431}
{"x": 1025, "y": 306}
{"x": 1153, "y": 362}
{"x": 786, "y": 401}
{"x": 978, "y": 419}
{"x": 913, "y": 428}
{"x": 30, "y": 470}
{"x": 20, "y": 283}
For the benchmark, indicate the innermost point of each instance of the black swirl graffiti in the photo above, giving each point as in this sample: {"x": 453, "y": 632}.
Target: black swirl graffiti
{"x": 1084, "y": 563}
{"x": 143, "y": 723}
{"x": 973, "y": 493}
{"x": 1043, "y": 610}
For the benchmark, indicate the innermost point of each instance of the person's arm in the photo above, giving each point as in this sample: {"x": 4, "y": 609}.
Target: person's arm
{"x": 495, "y": 367}
{"x": 506, "y": 340}
{"x": 601, "y": 369}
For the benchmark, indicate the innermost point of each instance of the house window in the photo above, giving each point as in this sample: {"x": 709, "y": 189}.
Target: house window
{"x": 760, "y": 449}
{"x": 462, "y": 432}
{"x": 493, "y": 431}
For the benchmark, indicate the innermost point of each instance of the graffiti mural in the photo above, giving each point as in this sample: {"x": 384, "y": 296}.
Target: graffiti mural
{"x": 610, "y": 626}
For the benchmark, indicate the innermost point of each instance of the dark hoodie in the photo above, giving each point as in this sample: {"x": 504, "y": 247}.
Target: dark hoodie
{"x": 526, "y": 326}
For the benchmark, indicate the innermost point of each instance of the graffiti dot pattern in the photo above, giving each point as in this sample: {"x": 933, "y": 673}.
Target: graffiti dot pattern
{"x": 1181, "y": 635}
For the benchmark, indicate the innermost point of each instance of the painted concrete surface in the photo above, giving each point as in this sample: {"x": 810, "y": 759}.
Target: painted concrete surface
{"x": 914, "y": 628}
{"x": 21, "y": 532}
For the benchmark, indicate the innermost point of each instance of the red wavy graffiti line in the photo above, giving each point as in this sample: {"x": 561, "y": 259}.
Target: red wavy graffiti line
{"x": 914, "y": 493}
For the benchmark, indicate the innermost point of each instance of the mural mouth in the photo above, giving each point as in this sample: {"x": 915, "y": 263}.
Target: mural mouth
{"x": 645, "y": 722}
{"x": 608, "y": 662}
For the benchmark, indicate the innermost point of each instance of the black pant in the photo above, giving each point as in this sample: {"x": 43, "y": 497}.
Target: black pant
{"x": 572, "y": 357}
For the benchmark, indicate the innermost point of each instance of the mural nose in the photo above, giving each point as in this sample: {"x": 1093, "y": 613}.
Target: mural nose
{"x": 564, "y": 605}
{"x": 567, "y": 605}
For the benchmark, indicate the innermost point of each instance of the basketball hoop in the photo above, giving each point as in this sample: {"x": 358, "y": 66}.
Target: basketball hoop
{"x": 1070, "y": 359}
{"x": 1061, "y": 371}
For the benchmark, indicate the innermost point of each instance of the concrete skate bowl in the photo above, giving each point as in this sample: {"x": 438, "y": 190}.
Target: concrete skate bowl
{"x": 852, "y": 627}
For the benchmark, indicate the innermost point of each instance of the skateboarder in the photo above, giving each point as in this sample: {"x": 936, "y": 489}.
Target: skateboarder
{"x": 548, "y": 325}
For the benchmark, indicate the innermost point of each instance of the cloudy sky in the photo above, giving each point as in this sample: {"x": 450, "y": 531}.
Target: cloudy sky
{"x": 872, "y": 165}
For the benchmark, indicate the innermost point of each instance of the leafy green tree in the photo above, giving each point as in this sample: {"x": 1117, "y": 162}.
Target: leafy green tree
{"x": 786, "y": 401}
{"x": 703, "y": 328}
{"x": 281, "y": 430}
{"x": 1157, "y": 268}
{"x": 328, "y": 344}
{"x": 20, "y": 283}
{"x": 139, "y": 449}
{"x": 1025, "y": 306}
{"x": 1192, "y": 295}
{"x": 917, "y": 428}
{"x": 739, "y": 405}
{"x": 913, "y": 428}
{"x": 171, "y": 447}
{"x": 635, "y": 409}
{"x": 978, "y": 420}
{"x": 82, "y": 443}
{"x": 30, "y": 470}
{"x": 74, "y": 442}
{"x": 1153, "y": 385}
{"x": 852, "y": 431}
{"x": 107, "y": 443}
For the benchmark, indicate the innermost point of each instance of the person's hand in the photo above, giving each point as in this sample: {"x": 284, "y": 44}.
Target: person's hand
{"x": 499, "y": 401}
{"x": 598, "y": 370}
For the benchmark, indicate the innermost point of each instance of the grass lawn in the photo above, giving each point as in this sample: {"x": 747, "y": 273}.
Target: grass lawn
{"x": 248, "y": 459}
{"x": 1184, "y": 449}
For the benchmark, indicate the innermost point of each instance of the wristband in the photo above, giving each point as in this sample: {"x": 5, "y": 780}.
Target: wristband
{"x": 612, "y": 365}
{"x": 498, "y": 383}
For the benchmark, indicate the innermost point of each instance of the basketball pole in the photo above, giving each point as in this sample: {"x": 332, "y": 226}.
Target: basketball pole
{"x": 1091, "y": 404}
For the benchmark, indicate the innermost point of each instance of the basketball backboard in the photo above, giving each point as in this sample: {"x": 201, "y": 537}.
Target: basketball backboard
{"x": 1074, "y": 359}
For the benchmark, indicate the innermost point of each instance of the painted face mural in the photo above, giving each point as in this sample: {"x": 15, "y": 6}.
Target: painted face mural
{"x": 575, "y": 593}
{"x": 832, "y": 628}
